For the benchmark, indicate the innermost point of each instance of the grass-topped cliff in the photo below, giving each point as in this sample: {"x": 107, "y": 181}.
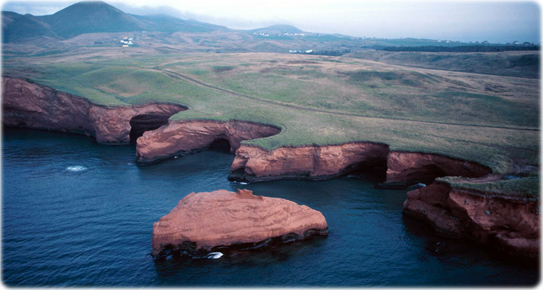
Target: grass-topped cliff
{"x": 493, "y": 120}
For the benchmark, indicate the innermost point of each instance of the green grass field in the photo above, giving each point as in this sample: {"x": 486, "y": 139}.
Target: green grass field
{"x": 493, "y": 120}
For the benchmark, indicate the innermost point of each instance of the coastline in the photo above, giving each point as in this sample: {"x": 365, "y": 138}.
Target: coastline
{"x": 34, "y": 106}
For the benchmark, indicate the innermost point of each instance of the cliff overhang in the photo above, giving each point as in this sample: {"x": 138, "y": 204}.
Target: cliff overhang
{"x": 29, "y": 105}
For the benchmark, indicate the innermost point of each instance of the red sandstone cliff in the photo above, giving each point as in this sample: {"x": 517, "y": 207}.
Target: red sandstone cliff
{"x": 508, "y": 223}
{"x": 206, "y": 220}
{"x": 412, "y": 167}
{"x": 321, "y": 162}
{"x": 181, "y": 137}
{"x": 30, "y": 105}
{"x": 511, "y": 223}
{"x": 305, "y": 162}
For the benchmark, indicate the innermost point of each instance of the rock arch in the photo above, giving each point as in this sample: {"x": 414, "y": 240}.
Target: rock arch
{"x": 146, "y": 122}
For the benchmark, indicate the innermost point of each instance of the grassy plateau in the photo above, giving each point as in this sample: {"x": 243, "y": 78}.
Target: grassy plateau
{"x": 489, "y": 119}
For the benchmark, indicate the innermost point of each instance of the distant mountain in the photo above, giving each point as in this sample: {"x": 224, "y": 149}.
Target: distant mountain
{"x": 92, "y": 17}
{"x": 278, "y": 29}
{"x": 99, "y": 17}
{"x": 89, "y": 17}
{"x": 207, "y": 26}
{"x": 167, "y": 23}
{"x": 9, "y": 17}
{"x": 17, "y": 27}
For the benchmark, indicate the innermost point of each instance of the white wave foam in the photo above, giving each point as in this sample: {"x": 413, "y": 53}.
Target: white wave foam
{"x": 76, "y": 168}
{"x": 214, "y": 255}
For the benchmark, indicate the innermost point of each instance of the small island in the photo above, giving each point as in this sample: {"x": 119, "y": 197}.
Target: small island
{"x": 216, "y": 221}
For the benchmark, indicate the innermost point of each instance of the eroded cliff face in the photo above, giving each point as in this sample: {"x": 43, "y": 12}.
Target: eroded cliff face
{"x": 306, "y": 162}
{"x": 510, "y": 224}
{"x": 328, "y": 161}
{"x": 507, "y": 223}
{"x": 184, "y": 137}
{"x": 30, "y": 105}
{"x": 410, "y": 167}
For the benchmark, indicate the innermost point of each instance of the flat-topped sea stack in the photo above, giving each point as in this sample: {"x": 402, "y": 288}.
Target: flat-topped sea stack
{"x": 211, "y": 221}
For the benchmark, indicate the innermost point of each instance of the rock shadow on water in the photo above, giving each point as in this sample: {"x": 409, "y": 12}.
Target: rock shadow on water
{"x": 465, "y": 254}
{"x": 271, "y": 251}
{"x": 206, "y": 162}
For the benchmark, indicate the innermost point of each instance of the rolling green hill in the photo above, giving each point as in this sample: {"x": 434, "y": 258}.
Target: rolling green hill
{"x": 508, "y": 63}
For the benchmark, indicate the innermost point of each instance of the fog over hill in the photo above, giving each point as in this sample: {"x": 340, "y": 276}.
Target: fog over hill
{"x": 496, "y": 22}
{"x": 99, "y": 25}
{"x": 88, "y": 17}
{"x": 91, "y": 17}
{"x": 278, "y": 29}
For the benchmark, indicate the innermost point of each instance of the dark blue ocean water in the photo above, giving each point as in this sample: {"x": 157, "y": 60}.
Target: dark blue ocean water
{"x": 75, "y": 213}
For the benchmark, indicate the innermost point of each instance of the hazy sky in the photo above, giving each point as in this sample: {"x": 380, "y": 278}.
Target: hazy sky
{"x": 495, "y": 21}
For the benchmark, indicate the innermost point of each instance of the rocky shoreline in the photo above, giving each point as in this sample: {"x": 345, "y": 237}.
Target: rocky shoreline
{"x": 512, "y": 225}
{"x": 402, "y": 169}
{"x": 509, "y": 224}
{"x": 253, "y": 164}
{"x": 185, "y": 137}
{"x": 30, "y": 105}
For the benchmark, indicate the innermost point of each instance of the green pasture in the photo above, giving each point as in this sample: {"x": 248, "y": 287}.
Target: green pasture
{"x": 323, "y": 100}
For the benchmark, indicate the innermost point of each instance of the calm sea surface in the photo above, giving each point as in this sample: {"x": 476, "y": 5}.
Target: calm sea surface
{"x": 75, "y": 213}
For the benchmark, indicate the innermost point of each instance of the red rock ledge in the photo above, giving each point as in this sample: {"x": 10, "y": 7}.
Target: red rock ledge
{"x": 35, "y": 106}
{"x": 323, "y": 162}
{"x": 407, "y": 168}
{"x": 184, "y": 137}
{"x": 305, "y": 162}
{"x": 208, "y": 221}
{"x": 509, "y": 224}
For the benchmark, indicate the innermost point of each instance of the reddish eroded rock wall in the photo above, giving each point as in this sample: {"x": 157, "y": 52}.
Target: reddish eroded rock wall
{"x": 305, "y": 162}
{"x": 30, "y": 105}
{"x": 412, "y": 167}
{"x": 510, "y": 224}
{"x": 26, "y": 104}
{"x": 112, "y": 124}
{"x": 206, "y": 220}
{"x": 184, "y": 137}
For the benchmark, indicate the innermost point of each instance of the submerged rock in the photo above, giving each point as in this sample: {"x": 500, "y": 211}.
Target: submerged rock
{"x": 208, "y": 221}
